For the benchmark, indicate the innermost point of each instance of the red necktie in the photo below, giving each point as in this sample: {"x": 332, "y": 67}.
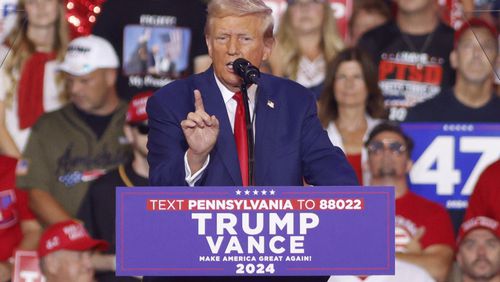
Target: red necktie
{"x": 240, "y": 136}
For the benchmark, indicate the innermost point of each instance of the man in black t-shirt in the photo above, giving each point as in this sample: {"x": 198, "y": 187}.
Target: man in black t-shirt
{"x": 98, "y": 207}
{"x": 472, "y": 99}
{"x": 412, "y": 53}
{"x": 157, "y": 41}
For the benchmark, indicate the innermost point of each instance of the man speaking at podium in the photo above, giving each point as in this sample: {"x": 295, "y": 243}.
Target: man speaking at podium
{"x": 198, "y": 135}
{"x": 198, "y": 129}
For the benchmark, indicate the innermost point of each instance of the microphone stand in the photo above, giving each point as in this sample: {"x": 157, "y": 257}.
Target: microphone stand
{"x": 249, "y": 125}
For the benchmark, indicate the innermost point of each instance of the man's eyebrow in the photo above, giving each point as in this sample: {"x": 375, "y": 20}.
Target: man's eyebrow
{"x": 468, "y": 240}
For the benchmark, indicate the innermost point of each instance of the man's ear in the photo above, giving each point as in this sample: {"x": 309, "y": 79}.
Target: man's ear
{"x": 127, "y": 129}
{"x": 409, "y": 165}
{"x": 51, "y": 264}
{"x": 111, "y": 77}
{"x": 268, "y": 48}
{"x": 209, "y": 45}
{"x": 454, "y": 59}
{"x": 459, "y": 259}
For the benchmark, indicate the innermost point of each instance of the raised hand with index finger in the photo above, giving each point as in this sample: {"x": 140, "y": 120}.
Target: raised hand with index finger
{"x": 201, "y": 131}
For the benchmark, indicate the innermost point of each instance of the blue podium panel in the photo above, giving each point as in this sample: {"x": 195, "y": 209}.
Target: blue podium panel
{"x": 449, "y": 158}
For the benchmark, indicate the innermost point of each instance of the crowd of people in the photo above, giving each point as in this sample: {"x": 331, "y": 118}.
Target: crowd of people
{"x": 74, "y": 124}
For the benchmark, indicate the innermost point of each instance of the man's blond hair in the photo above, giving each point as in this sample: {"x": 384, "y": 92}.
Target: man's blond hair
{"x": 239, "y": 8}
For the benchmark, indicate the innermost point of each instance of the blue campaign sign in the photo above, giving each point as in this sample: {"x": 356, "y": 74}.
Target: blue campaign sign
{"x": 267, "y": 231}
{"x": 449, "y": 158}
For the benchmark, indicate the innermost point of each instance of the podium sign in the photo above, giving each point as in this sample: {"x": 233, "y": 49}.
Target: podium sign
{"x": 268, "y": 231}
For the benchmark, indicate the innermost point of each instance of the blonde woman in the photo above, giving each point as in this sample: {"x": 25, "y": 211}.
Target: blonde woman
{"x": 28, "y": 82}
{"x": 307, "y": 39}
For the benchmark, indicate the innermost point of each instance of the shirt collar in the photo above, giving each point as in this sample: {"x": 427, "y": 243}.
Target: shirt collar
{"x": 227, "y": 94}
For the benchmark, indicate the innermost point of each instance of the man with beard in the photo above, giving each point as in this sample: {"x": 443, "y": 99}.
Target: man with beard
{"x": 98, "y": 207}
{"x": 479, "y": 250}
{"x": 424, "y": 233}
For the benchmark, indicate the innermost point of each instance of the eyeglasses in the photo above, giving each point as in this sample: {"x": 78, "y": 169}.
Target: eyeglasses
{"x": 141, "y": 127}
{"x": 377, "y": 147}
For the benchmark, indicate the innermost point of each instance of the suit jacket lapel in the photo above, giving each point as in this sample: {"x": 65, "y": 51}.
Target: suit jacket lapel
{"x": 263, "y": 144}
{"x": 225, "y": 148}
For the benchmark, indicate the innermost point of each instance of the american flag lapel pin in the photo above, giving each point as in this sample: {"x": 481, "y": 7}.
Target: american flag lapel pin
{"x": 270, "y": 104}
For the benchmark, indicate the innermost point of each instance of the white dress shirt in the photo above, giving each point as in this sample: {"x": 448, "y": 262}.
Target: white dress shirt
{"x": 231, "y": 104}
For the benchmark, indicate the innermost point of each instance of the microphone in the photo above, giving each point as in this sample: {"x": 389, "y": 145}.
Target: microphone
{"x": 248, "y": 72}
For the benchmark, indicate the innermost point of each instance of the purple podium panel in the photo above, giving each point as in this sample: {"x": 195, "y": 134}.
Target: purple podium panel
{"x": 268, "y": 231}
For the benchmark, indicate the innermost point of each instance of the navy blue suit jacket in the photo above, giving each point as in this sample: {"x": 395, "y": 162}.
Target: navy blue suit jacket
{"x": 289, "y": 141}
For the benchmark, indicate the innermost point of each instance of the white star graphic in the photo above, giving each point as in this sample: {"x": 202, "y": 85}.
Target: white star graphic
{"x": 263, "y": 192}
{"x": 247, "y": 192}
{"x": 238, "y": 192}
{"x": 272, "y": 192}
{"x": 255, "y": 192}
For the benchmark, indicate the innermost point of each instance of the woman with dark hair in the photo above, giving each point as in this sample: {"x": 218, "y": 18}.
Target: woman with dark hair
{"x": 351, "y": 104}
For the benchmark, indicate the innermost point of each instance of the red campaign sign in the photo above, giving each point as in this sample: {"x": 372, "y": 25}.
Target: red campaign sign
{"x": 26, "y": 267}
{"x": 342, "y": 10}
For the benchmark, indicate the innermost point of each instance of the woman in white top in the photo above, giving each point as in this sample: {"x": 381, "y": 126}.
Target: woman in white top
{"x": 351, "y": 104}
{"x": 29, "y": 85}
{"x": 307, "y": 39}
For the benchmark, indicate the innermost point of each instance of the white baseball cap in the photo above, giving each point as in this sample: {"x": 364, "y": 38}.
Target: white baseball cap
{"x": 88, "y": 53}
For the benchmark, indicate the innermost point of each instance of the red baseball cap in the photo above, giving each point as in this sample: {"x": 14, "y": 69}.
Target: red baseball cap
{"x": 475, "y": 23}
{"x": 68, "y": 235}
{"x": 479, "y": 222}
{"x": 136, "y": 112}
